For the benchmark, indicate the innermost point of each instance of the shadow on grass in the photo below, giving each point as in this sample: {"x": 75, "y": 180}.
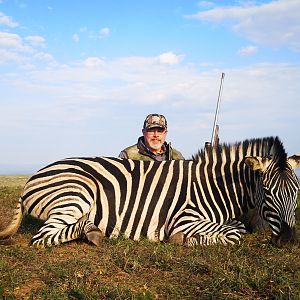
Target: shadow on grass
{"x": 30, "y": 225}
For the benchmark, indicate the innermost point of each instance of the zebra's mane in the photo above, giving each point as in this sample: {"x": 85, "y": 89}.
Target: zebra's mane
{"x": 270, "y": 147}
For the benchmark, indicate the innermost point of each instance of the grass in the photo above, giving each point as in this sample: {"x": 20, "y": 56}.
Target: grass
{"x": 124, "y": 269}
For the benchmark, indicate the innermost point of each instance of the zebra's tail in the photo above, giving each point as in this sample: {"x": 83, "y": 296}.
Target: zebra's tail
{"x": 15, "y": 223}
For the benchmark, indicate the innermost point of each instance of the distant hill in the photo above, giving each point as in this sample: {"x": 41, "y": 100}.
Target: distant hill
{"x": 18, "y": 169}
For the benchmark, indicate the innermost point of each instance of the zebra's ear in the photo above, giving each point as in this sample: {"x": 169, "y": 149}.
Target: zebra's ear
{"x": 294, "y": 161}
{"x": 257, "y": 163}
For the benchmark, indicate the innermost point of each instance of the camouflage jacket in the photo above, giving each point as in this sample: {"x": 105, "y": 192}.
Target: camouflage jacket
{"x": 140, "y": 151}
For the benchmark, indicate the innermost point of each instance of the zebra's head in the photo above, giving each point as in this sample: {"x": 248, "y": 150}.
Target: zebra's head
{"x": 278, "y": 191}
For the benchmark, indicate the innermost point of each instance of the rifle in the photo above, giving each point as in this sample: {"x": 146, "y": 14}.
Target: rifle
{"x": 215, "y": 132}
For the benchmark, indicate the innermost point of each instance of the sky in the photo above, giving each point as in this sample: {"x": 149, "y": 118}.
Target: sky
{"x": 77, "y": 78}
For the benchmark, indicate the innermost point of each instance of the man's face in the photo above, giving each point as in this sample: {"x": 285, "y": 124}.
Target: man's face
{"x": 154, "y": 138}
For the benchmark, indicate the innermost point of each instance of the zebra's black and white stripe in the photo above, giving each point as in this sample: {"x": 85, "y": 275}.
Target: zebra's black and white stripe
{"x": 198, "y": 201}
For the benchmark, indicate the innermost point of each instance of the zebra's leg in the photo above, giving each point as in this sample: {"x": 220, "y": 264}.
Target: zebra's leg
{"x": 220, "y": 234}
{"x": 177, "y": 238}
{"x": 57, "y": 230}
{"x": 93, "y": 233}
{"x": 203, "y": 232}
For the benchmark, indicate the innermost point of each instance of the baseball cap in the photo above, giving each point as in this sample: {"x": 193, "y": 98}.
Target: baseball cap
{"x": 155, "y": 120}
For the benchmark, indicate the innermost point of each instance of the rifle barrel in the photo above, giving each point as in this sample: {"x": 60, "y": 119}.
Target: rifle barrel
{"x": 213, "y": 138}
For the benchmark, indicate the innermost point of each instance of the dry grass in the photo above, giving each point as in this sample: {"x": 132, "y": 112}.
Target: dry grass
{"x": 124, "y": 269}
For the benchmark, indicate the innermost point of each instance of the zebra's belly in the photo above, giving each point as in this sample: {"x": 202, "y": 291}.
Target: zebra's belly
{"x": 134, "y": 230}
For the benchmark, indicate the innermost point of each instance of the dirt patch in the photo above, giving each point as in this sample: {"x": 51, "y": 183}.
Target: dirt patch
{"x": 25, "y": 290}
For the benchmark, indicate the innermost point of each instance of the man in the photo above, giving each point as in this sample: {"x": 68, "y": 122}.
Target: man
{"x": 152, "y": 145}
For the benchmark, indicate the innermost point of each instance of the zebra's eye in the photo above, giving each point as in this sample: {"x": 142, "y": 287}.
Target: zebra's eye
{"x": 267, "y": 191}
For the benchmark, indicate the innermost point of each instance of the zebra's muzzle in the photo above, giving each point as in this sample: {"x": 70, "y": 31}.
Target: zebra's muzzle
{"x": 286, "y": 235}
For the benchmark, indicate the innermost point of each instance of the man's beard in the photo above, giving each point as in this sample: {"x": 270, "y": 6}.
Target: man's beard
{"x": 155, "y": 146}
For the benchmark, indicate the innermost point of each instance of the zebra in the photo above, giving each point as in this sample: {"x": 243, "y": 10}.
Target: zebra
{"x": 199, "y": 201}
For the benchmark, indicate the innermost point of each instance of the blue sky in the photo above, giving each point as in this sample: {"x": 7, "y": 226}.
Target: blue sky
{"x": 77, "y": 78}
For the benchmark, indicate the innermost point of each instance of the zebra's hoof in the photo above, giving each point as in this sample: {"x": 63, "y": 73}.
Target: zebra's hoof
{"x": 95, "y": 236}
{"x": 177, "y": 238}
